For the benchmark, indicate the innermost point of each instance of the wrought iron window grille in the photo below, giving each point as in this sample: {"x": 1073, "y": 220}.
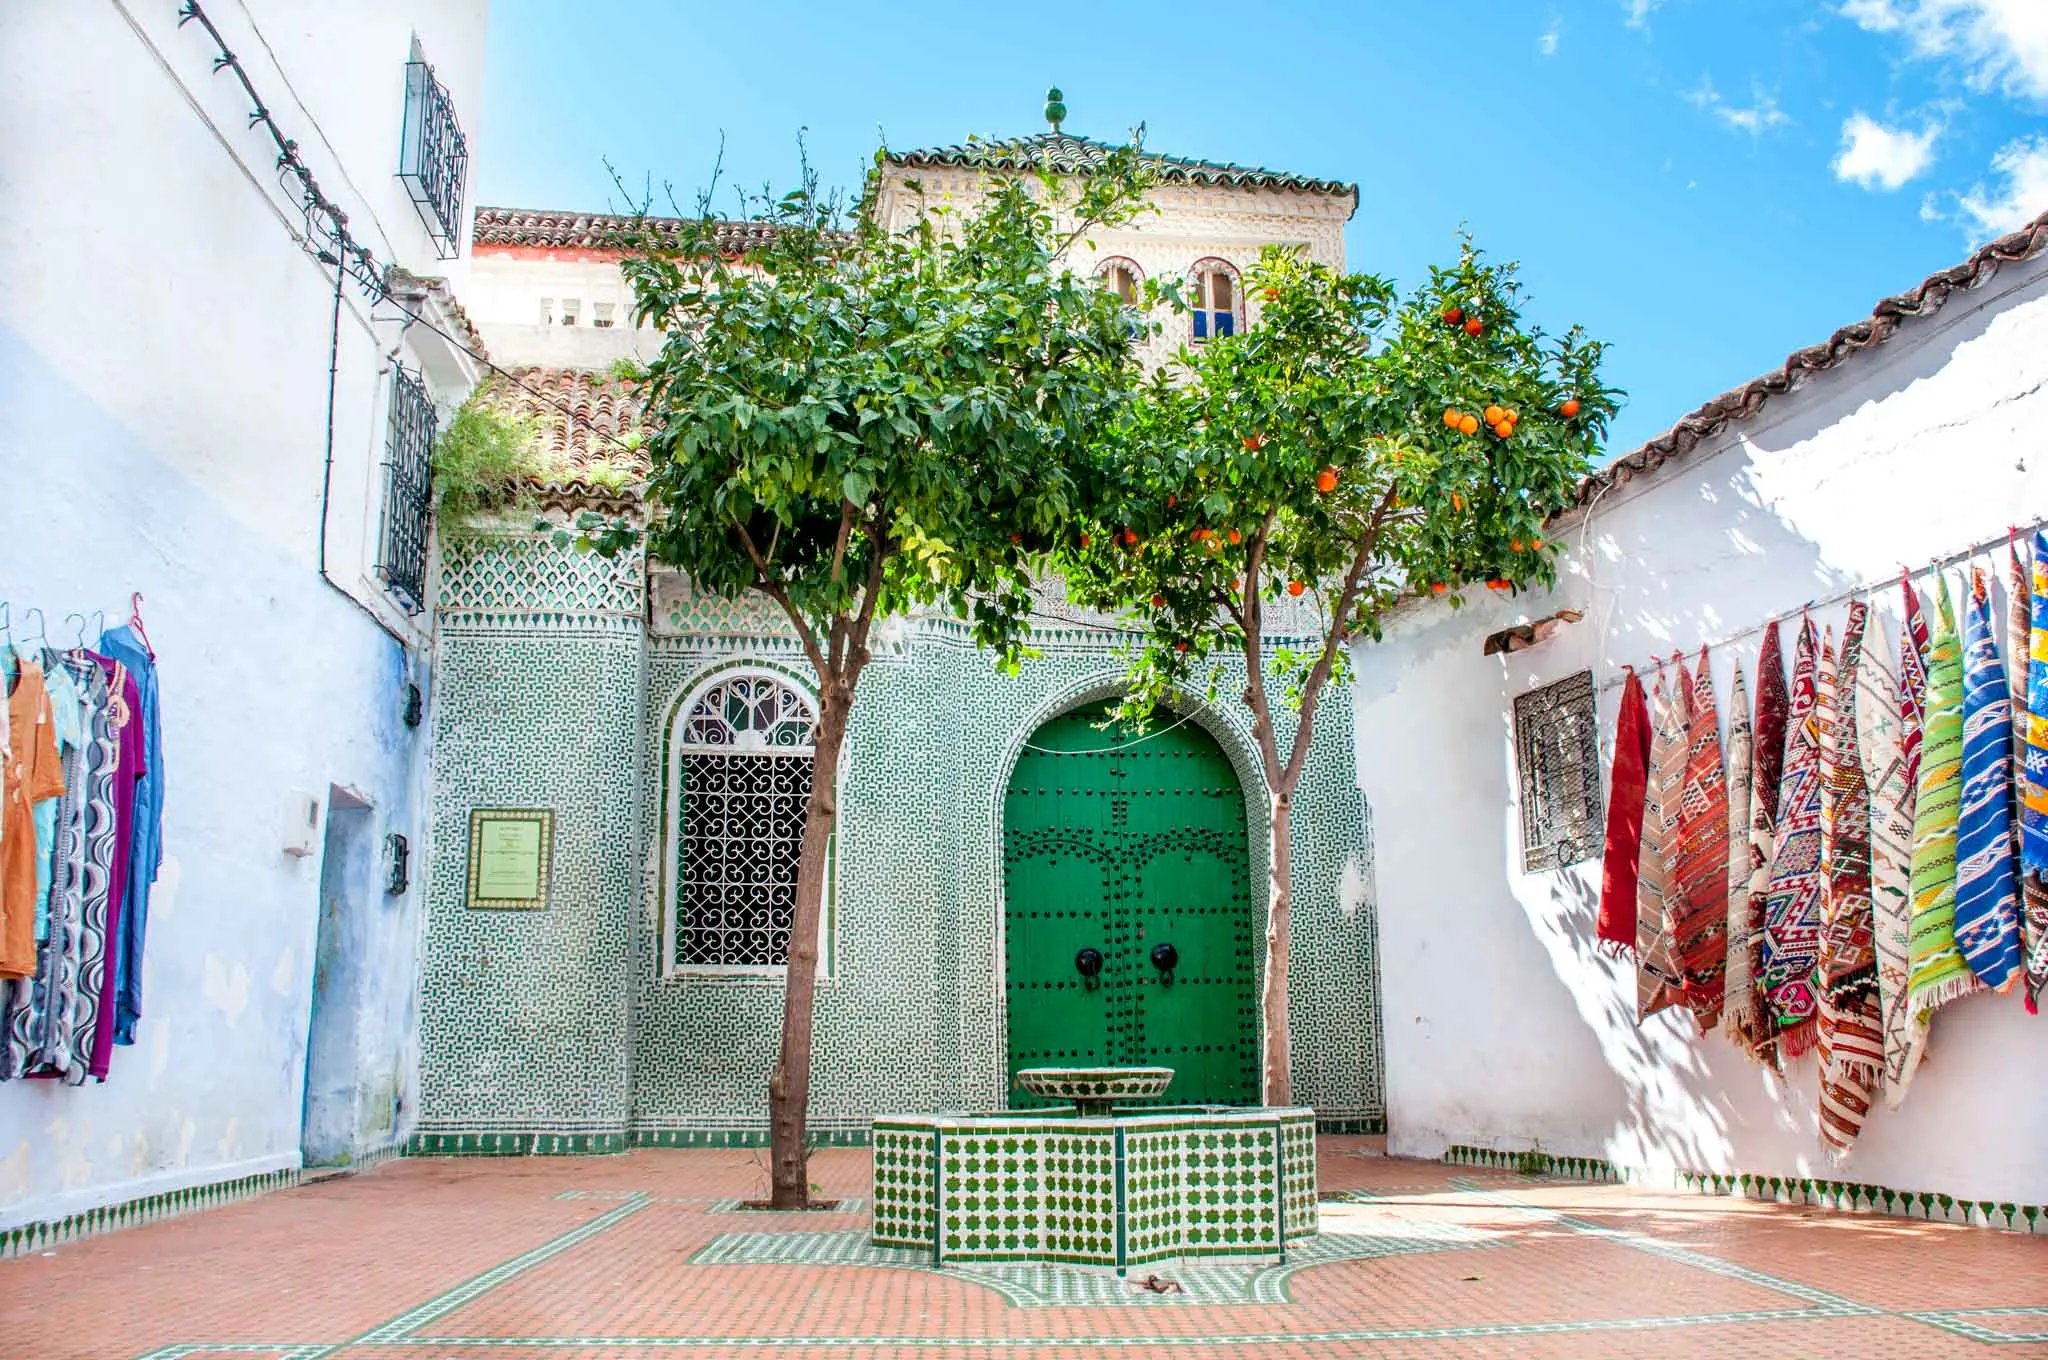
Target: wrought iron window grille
{"x": 1557, "y": 760}
{"x": 434, "y": 157}
{"x": 408, "y": 473}
{"x": 746, "y": 745}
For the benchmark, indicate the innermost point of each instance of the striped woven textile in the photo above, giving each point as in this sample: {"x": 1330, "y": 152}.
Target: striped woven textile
{"x": 1772, "y": 704}
{"x": 1658, "y": 983}
{"x": 1739, "y": 1009}
{"x": 1987, "y": 907}
{"x": 1699, "y": 922}
{"x": 2019, "y": 624}
{"x": 1878, "y": 723}
{"x": 1627, "y": 786}
{"x": 1792, "y": 912}
{"x": 1937, "y": 972}
{"x": 1767, "y": 742}
{"x": 1852, "y": 1030}
{"x": 2033, "y": 784}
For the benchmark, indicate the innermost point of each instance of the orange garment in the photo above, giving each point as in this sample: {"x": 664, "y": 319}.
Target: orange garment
{"x": 30, "y": 773}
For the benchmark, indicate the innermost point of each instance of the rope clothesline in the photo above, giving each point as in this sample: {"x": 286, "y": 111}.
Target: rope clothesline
{"x": 1658, "y": 660}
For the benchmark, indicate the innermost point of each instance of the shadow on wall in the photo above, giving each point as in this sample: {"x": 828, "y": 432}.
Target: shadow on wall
{"x": 1910, "y": 454}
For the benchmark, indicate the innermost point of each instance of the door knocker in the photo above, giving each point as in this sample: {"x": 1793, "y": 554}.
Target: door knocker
{"x": 1165, "y": 958}
{"x": 1088, "y": 963}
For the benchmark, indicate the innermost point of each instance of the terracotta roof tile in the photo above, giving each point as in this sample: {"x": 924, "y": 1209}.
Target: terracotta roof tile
{"x": 1070, "y": 155}
{"x": 578, "y": 416}
{"x": 593, "y": 231}
{"x": 1746, "y": 401}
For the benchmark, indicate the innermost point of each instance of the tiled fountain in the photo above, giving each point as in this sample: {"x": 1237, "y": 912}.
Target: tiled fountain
{"x": 1101, "y": 1183}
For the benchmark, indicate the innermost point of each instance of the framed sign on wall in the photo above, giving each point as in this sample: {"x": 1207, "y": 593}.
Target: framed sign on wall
{"x": 511, "y": 854}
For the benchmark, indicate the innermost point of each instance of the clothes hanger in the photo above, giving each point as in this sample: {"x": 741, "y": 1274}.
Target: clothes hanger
{"x": 42, "y": 625}
{"x": 135, "y": 622}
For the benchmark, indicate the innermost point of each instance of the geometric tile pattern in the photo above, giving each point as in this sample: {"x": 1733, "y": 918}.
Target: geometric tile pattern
{"x": 1126, "y": 1191}
{"x": 550, "y": 692}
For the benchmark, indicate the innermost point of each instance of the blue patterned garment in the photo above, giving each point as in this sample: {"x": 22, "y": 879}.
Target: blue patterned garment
{"x": 1987, "y": 906}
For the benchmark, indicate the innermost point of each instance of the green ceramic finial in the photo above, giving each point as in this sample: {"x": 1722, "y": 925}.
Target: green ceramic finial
{"x": 1055, "y": 110}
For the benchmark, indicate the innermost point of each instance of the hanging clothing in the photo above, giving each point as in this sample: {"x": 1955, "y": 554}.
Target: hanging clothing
{"x": 1792, "y": 913}
{"x": 39, "y": 1019}
{"x": 126, "y": 646}
{"x": 64, "y": 716}
{"x": 1852, "y": 1064}
{"x": 1699, "y": 925}
{"x": 1878, "y": 723}
{"x": 124, "y": 706}
{"x": 1657, "y": 983}
{"x": 1627, "y": 787}
{"x": 2032, "y": 761}
{"x": 1987, "y": 908}
{"x": 1773, "y": 707}
{"x": 1939, "y": 974}
{"x": 1739, "y": 1009}
{"x": 1767, "y": 742}
{"x": 96, "y": 873}
{"x": 33, "y": 772}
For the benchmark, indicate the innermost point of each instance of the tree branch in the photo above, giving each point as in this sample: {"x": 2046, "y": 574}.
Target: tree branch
{"x": 772, "y": 587}
{"x": 1339, "y": 630}
{"x": 1253, "y": 624}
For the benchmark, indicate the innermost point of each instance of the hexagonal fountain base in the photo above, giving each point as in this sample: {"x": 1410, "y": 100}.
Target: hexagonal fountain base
{"x": 1127, "y": 1189}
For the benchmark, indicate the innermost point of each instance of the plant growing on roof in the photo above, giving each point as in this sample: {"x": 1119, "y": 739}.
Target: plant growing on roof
{"x": 1351, "y": 448}
{"x": 852, "y": 422}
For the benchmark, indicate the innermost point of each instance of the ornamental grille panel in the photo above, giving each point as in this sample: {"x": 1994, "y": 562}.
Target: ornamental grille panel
{"x": 434, "y": 158}
{"x": 408, "y": 468}
{"x": 743, "y": 826}
{"x": 1557, "y": 758}
{"x": 744, "y": 774}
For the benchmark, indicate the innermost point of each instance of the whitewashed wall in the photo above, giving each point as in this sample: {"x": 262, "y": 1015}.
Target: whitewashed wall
{"x": 1505, "y": 1027}
{"x": 164, "y": 369}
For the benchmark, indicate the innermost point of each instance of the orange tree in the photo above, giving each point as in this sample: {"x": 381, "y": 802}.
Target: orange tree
{"x": 1351, "y": 448}
{"x": 851, "y": 422}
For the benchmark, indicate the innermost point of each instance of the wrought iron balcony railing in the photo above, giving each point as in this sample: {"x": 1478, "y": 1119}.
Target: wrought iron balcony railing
{"x": 434, "y": 158}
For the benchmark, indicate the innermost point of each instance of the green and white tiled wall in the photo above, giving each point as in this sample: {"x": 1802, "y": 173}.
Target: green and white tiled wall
{"x": 552, "y": 693}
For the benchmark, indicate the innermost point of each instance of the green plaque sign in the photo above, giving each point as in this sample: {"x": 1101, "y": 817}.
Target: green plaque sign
{"x": 511, "y": 851}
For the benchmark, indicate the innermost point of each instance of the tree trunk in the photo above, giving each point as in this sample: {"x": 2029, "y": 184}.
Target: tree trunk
{"x": 789, "y": 1086}
{"x": 1279, "y": 1083}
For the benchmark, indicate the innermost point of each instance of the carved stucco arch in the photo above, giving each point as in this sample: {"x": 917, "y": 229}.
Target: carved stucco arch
{"x": 1229, "y": 732}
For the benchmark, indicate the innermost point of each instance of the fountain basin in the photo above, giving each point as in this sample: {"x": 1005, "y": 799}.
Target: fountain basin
{"x": 1122, "y": 1189}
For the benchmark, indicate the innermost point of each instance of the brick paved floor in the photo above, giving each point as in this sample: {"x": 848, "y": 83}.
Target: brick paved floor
{"x": 575, "y": 1259}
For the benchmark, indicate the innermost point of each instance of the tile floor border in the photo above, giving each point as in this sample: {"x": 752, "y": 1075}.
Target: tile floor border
{"x": 25, "y": 1239}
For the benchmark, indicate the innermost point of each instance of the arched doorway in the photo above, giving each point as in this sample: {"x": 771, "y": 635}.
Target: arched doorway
{"x": 1132, "y": 847}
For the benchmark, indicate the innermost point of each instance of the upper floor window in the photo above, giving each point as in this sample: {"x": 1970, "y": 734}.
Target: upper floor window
{"x": 408, "y": 467}
{"x": 571, "y": 309}
{"x": 547, "y": 311}
{"x": 1215, "y": 300}
{"x": 739, "y": 781}
{"x": 1121, "y": 277}
{"x": 433, "y": 157}
{"x": 600, "y": 314}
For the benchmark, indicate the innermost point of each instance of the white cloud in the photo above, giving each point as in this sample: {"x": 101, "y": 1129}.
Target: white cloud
{"x": 1880, "y": 157}
{"x": 2022, "y": 166}
{"x": 1756, "y": 119}
{"x": 1546, "y": 42}
{"x": 1639, "y": 11}
{"x": 2000, "y": 44}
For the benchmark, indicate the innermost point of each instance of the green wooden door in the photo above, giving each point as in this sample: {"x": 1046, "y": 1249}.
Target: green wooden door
{"x": 1125, "y": 846}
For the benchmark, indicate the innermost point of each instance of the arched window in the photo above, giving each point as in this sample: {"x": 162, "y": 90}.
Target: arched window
{"x": 1215, "y": 299}
{"x": 739, "y": 779}
{"x": 1122, "y": 277}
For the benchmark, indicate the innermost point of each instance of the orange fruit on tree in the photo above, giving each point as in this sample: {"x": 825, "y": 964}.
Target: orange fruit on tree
{"x": 1453, "y": 316}
{"x": 1326, "y": 480}
{"x": 1569, "y": 409}
{"x": 1472, "y": 326}
{"x": 1235, "y": 536}
{"x": 1451, "y": 417}
{"x": 1271, "y": 295}
{"x": 1504, "y": 429}
{"x": 1468, "y": 425}
{"x": 1295, "y": 588}
{"x": 1493, "y": 415}
{"x": 1438, "y": 588}
{"x": 1511, "y": 416}
{"x": 1457, "y": 501}
{"x": 1130, "y": 538}
{"x": 1535, "y": 545}
{"x": 1085, "y": 540}
{"x": 1498, "y": 583}
{"x": 1516, "y": 545}
{"x": 1159, "y": 602}
{"x": 1236, "y": 584}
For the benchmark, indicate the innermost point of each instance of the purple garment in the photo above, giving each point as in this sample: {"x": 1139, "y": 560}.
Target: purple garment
{"x": 126, "y": 723}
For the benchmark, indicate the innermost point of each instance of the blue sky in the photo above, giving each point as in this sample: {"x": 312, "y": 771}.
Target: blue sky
{"x": 1706, "y": 184}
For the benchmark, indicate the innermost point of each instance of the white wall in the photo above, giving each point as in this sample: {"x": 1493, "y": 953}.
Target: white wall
{"x": 503, "y": 289}
{"x": 164, "y": 369}
{"x": 1504, "y": 1025}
